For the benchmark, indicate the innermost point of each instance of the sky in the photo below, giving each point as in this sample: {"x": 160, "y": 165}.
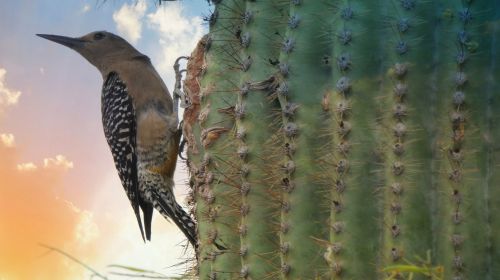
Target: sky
{"x": 58, "y": 184}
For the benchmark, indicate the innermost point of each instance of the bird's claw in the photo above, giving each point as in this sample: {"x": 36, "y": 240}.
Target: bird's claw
{"x": 178, "y": 93}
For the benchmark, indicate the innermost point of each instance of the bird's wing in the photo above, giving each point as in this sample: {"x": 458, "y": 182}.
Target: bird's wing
{"x": 120, "y": 129}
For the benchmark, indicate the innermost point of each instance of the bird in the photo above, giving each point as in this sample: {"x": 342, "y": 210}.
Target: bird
{"x": 140, "y": 126}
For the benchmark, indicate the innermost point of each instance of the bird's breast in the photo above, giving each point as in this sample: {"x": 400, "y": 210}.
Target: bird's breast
{"x": 156, "y": 141}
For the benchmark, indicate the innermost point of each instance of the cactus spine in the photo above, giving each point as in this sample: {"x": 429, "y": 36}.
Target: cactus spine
{"x": 348, "y": 139}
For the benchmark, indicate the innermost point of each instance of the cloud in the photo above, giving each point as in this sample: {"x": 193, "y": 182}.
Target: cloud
{"x": 28, "y": 166}
{"x": 8, "y": 96}
{"x": 86, "y": 230}
{"x": 7, "y": 140}
{"x": 86, "y": 8}
{"x": 178, "y": 34}
{"x": 57, "y": 161}
{"x": 128, "y": 20}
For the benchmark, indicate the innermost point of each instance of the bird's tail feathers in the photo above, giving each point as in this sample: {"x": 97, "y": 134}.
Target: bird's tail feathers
{"x": 138, "y": 216}
{"x": 167, "y": 206}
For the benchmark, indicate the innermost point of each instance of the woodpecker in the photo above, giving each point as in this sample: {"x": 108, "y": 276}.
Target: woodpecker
{"x": 140, "y": 125}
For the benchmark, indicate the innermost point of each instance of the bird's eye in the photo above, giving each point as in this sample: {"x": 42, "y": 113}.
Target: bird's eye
{"x": 98, "y": 36}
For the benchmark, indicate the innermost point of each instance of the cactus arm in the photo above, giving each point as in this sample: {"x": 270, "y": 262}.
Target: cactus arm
{"x": 258, "y": 149}
{"x": 476, "y": 207}
{"x": 409, "y": 165}
{"x": 304, "y": 81}
{"x": 357, "y": 54}
{"x": 492, "y": 193}
{"x": 218, "y": 169}
{"x": 463, "y": 235}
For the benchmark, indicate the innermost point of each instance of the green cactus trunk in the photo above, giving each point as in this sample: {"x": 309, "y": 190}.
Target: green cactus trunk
{"x": 347, "y": 139}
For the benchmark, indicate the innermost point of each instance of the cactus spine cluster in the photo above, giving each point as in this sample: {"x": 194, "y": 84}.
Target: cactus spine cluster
{"x": 347, "y": 139}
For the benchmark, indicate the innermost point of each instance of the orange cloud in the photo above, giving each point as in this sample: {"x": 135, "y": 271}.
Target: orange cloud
{"x": 27, "y": 166}
{"x": 31, "y": 213}
{"x": 7, "y": 140}
{"x": 57, "y": 161}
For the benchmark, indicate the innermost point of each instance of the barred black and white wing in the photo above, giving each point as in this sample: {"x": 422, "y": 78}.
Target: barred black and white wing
{"x": 119, "y": 122}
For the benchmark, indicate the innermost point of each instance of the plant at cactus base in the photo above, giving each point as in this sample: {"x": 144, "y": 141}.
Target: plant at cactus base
{"x": 342, "y": 139}
{"x": 409, "y": 270}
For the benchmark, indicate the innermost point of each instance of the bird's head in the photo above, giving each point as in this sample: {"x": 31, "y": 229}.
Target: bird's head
{"x": 100, "y": 48}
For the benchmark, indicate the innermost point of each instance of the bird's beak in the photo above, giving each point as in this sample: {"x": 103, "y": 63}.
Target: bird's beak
{"x": 73, "y": 43}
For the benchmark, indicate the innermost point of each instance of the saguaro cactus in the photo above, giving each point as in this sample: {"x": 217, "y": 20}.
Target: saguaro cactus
{"x": 347, "y": 139}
